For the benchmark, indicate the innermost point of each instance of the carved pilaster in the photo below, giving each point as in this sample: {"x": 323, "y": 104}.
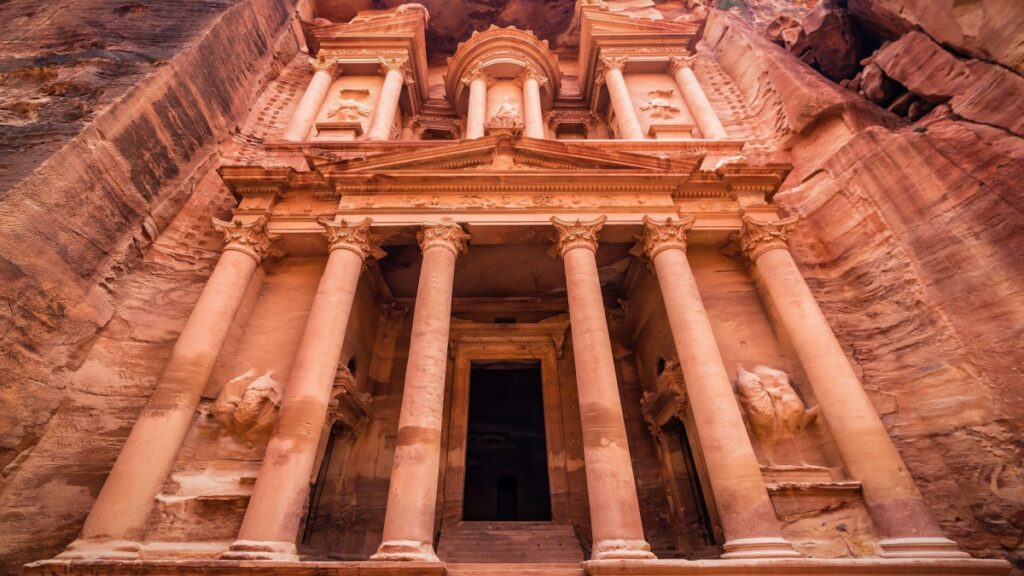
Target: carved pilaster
{"x": 356, "y": 238}
{"x": 660, "y": 236}
{"x": 577, "y": 235}
{"x": 756, "y": 238}
{"x": 330, "y": 66}
{"x": 447, "y": 235}
{"x": 249, "y": 238}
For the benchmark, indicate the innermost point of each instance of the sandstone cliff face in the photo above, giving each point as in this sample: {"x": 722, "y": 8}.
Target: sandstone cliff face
{"x": 112, "y": 115}
{"x": 912, "y": 237}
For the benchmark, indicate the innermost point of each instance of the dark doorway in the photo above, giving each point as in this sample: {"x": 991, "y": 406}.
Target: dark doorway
{"x": 506, "y": 452}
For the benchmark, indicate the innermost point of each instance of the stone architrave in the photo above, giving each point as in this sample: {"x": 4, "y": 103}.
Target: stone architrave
{"x": 900, "y": 514}
{"x": 412, "y": 495}
{"x": 744, "y": 507}
{"x": 271, "y": 522}
{"x": 611, "y": 487}
{"x": 118, "y": 518}
{"x": 324, "y": 72}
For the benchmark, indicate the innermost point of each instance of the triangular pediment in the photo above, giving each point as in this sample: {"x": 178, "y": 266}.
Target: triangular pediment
{"x": 502, "y": 154}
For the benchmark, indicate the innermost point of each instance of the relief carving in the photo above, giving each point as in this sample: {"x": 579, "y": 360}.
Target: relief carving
{"x": 659, "y": 106}
{"x": 772, "y": 405}
{"x": 349, "y": 108}
{"x": 248, "y": 404}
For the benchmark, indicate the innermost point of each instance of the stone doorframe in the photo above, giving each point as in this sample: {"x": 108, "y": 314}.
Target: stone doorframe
{"x": 476, "y": 341}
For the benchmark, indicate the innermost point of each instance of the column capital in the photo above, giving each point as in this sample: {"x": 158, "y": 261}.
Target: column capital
{"x": 353, "y": 237}
{"x": 330, "y": 66}
{"x": 756, "y": 238}
{"x": 249, "y": 238}
{"x": 447, "y": 235}
{"x": 531, "y": 73}
{"x": 476, "y": 72}
{"x": 577, "y": 235}
{"x": 399, "y": 63}
{"x": 660, "y": 236}
{"x": 613, "y": 63}
{"x": 677, "y": 62}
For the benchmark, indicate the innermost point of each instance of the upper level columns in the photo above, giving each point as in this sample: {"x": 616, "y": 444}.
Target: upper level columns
{"x": 533, "y": 111}
{"x": 278, "y": 500}
{"x": 305, "y": 113}
{"x": 614, "y": 508}
{"x": 622, "y": 102}
{"x": 703, "y": 113}
{"x": 383, "y": 121}
{"x": 899, "y": 512}
{"x": 746, "y": 512}
{"x": 476, "y": 114}
{"x": 412, "y": 494}
{"x": 118, "y": 517}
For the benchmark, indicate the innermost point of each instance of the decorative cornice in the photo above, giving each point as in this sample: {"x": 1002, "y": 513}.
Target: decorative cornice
{"x": 447, "y": 235}
{"x": 355, "y": 238}
{"x": 756, "y": 238}
{"x": 662, "y": 236}
{"x": 249, "y": 238}
{"x": 325, "y": 65}
{"x": 577, "y": 235}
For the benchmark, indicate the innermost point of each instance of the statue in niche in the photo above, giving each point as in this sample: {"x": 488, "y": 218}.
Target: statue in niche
{"x": 506, "y": 116}
{"x": 659, "y": 104}
{"x": 248, "y": 404}
{"x": 349, "y": 108}
{"x": 771, "y": 403}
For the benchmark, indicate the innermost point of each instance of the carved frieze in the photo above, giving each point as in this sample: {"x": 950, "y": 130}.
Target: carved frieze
{"x": 577, "y": 234}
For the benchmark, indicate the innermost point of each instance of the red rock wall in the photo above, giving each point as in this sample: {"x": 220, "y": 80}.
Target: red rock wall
{"x": 912, "y": 242}
{"x": 83, "y": 287}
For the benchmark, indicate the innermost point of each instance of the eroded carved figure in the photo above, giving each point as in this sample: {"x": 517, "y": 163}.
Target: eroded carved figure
{"x": 248, "y": 404}
{"x": 350, "y": 109}
{"x": 507, "y": 114}
{"x": 771, "y": 403}
{"x": 658, "y": 105}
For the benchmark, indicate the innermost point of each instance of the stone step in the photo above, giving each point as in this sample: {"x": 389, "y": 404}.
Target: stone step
{"x": 509, "y": 542}
{"x": 519, "y": 569}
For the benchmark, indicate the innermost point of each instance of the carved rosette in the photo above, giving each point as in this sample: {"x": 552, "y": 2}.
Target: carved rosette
{"x": 353, "y": 237}
{"x": 660, "y": 236}
{"x": 756, "y": 238}
{"x": 577, "y": 235}
{"x": 447, "y": 235}
{"x": 249, "y": 238}
{"x": 325, "y": 65}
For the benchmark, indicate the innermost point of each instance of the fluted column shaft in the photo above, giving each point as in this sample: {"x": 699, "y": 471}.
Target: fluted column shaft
{"x": 532, "y": 110}
{"x": 387, "y": 103}
{"x": 279, "y": 498}
{"x": 412, "y": 494}
{"x": 614, "y": 508}
{"x": 744, "y": 506}
{"x": 897, "y": 508}
{"x": 622, "y": 103}
{"x": 118, "y": 517}
{"x": 476, "y": 116}
{"x": 313, "y": 98}
{"x": 697, "y": 101}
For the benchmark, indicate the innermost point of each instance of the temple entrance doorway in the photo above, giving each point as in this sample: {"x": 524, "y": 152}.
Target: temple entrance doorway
{"x": 506, "y": 451}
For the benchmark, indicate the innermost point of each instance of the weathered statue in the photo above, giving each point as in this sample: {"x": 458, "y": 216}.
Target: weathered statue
{"x": 506, "y": 115}
{"x": 349, "y": 110}
{"x": 774, "y": 409}
{"x": 248, "y": 405}
{"x": 658, "y": 105}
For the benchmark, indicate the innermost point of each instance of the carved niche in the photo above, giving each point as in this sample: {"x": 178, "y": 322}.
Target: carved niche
{"x": 772, "y": 405}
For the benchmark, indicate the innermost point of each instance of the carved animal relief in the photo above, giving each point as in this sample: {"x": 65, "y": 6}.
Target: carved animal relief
{"x": 772, "y": 405}
{"x": 659, "y": 105}
{"x": 349, "y": 108}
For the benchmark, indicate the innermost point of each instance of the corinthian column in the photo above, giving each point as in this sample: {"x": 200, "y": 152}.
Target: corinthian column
{"x": 614, "y": 509}
{"x": 305, "y": 113}
{"x": 412, "y": 494}
{"x": 899, "y": 512}
{"x": 279, "y": 498}
{"x": 118, "y": 517}
{"x": 533, "y": 113}
{"x": 622, "y": 103}
{"x": 703, "y": 113}
{"x": 476, "y": 115}
{"x": 387, "y": 103}
{"x": 748, "y": 518}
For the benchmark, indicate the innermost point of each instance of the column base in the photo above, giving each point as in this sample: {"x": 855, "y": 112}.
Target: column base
{"x": 83, "y": 549}
{"x": 759, "y": 548}
{"x": 921, "y": 548}
{"x": 261, "y": 550}
{"x": 622, "y": 550}
{"x": 405, "y": 551}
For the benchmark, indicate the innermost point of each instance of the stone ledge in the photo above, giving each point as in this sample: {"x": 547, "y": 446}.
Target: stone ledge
{"x": 798, "y": 566}
{"x": 229, "y": 568}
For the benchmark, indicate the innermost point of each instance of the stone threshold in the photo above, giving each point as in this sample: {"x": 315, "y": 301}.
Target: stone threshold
{"x": 774, "y": 567}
